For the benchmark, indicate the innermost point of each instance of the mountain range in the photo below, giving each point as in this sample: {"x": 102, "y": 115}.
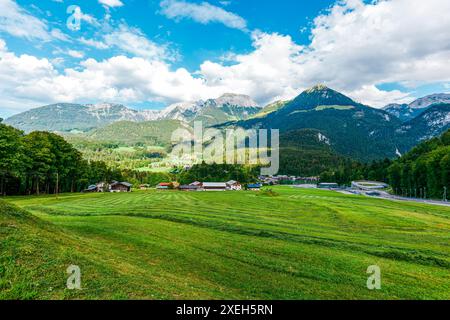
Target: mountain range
{"x": 410, "y": 111}
{"x": 319, "y": 115}
{"x": 64, "y": 117}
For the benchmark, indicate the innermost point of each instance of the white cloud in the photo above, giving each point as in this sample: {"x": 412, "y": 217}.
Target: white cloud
{"x": 2, "y": 45}
{"x": 270, "y": 72}
{"x": 75, "y": 54}
{"x": 389, "y": 41}
{"x": 133, "y": 41}
{"x": 17, "y": 22}
{"x": 111, "y": 3}
{"x": 375, "y": 97}
{"x": 203, "y": 13}
{"x": 93, "y": 43}
{"x": 86, "y": 17}
{"x": 57, "y": 34}
{"x": 19, "y": 78}
{"x": 72, "y": 53}
{"x": 27, "y": 81}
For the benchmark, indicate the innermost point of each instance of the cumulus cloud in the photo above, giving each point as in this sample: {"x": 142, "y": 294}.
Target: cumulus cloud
{"x": 203, "y": 13}
{"x": 403, "y": 41}
{"x": 372, "y": 96}
{"x": 26, "y": 81}
{"x": 19, "y": 78}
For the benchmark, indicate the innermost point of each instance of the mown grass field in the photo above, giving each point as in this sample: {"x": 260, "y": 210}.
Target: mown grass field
{"x": 299, "y": 244}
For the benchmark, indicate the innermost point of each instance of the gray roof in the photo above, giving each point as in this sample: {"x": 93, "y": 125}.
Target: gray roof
{"x": 126, "y": 184}
{"x": 214, "y": 185}
{"x": 188, "y": 187}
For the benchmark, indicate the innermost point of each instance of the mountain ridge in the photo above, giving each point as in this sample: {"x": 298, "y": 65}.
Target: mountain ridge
{"x": 406, "y": 112}
{"x": 66, "y": 117}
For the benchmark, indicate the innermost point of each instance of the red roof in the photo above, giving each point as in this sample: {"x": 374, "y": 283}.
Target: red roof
{"x": 164, "y": 184}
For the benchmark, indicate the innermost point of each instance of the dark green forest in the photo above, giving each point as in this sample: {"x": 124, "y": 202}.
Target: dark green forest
{"x": 43, "y": 162}
{"x": 424, "y": 171}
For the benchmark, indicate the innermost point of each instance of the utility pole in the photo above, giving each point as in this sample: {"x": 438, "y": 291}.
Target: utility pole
{"x": 445, "y": 194}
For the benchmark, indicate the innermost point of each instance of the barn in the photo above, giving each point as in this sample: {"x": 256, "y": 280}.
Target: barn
{"x": 214, "y": 186}
{"x": 120, "y": 187}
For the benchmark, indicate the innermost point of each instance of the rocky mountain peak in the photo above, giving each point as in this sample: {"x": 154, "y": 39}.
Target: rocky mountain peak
{"x": 235, "y": 100}
{"x": 317, "y": 87}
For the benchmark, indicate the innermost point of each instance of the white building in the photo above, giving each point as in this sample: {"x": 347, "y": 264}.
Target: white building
{"x": 234, "y": 185}
{"x": 214, "y": 186}
{"x": 369, "y": 185}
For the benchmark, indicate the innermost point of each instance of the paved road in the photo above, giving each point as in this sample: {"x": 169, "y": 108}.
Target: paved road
{"x": 387, "y": 196}
{"x": 382, "y": 195}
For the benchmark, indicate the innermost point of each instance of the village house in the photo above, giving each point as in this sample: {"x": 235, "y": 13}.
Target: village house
{"x": 196, "y": 183}
{"x": 328, "y": 185}
{"x": 164, "y": 186}
{"x": 234, "y": 185}
{"x": 188, "y": 188}
{"x": 144, "y": 187}
{"x": 254, "y": 186}
{"x": 98, "y": 187}
{"x": 91, "y": 188}
{"x": 120, "y": 187}
{"x": 214, "y": 186}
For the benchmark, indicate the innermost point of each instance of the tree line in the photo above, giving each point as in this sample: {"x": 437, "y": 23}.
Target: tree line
{"x": 423, "y": 172}
{"x": 42, "y": 162}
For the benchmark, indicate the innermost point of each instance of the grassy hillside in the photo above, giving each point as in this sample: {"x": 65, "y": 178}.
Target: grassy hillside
{"x": 295, "y": 244}
{"x": 35, "y": 254}
{"x": 150, "y": 133}
{"x": 270, "y": 109}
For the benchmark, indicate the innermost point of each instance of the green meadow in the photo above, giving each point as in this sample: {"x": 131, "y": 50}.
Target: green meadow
{"x": 286, "y": 244}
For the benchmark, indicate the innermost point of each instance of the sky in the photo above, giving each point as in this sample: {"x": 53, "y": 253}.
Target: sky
{"x": 147, "y": 54}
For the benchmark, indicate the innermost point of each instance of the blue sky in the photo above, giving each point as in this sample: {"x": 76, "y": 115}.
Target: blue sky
{"x": 150, "y": 53}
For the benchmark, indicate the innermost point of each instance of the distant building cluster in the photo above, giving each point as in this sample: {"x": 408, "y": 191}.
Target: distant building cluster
{"x": 231, "y": 185}
{"x": 285, "y": 179}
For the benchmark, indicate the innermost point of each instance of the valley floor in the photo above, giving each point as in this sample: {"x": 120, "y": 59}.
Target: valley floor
{"x": 291, "y": 244}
